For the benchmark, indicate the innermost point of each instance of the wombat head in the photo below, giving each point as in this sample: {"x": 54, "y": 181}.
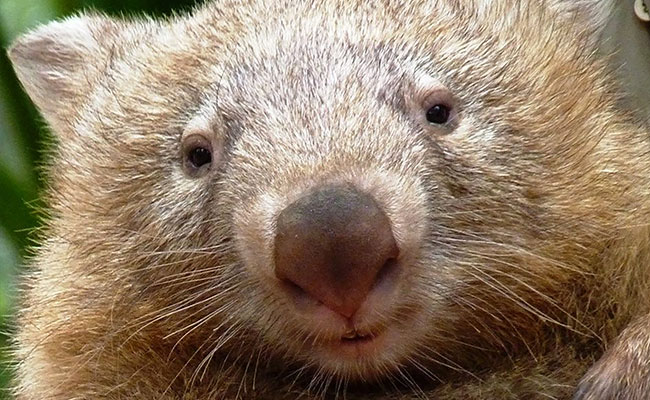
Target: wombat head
{"x": 357, "y": 188}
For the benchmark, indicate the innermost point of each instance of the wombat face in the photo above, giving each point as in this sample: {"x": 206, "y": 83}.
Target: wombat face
{"x": 355, "y": 190}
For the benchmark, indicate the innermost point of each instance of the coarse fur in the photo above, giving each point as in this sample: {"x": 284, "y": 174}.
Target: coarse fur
{"x": 522, "y": 223}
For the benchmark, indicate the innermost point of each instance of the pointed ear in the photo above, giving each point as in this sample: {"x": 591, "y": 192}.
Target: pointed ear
{"x": 591, "y": 14}
{"x": 59, "y": 63}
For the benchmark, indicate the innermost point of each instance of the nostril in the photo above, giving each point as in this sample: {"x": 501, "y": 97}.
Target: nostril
{"x": 298, "y": 294}
{"x": 293, "y": 288}
{"x": 387, "y": 273}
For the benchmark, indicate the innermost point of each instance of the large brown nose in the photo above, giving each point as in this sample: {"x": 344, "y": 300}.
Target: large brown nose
{"x": 333, "y": 243}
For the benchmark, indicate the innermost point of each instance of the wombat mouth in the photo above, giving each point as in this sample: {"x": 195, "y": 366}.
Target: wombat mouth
{"x": 357, "y": 345}
{"x": 358, "y": 350}
{"x": 356, "y": 337}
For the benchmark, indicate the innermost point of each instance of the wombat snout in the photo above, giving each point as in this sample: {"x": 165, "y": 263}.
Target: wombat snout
{"x": 335, "y": 244}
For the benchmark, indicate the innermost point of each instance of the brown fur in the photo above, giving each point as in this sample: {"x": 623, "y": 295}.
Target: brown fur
{"x": 522, "y": 225}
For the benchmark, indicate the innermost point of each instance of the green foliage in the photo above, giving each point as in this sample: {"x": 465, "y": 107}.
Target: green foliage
{"x": 22, "y": 139}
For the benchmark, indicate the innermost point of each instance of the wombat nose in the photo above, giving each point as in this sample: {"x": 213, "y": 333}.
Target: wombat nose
{"x": 333, "y": 244}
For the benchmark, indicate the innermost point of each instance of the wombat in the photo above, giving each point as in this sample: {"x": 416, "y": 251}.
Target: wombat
{"x": 337, "y": 199}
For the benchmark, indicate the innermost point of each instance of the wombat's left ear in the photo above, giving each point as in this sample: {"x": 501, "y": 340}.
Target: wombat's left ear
{"x": 60, "y": 63}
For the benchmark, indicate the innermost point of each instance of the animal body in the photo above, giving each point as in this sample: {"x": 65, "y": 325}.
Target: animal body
{"x": 336, "y": 199}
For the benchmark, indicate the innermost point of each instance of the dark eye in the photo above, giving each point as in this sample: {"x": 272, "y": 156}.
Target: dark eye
{"x": 197, "y": 154}
{"x": 438, "y": 114}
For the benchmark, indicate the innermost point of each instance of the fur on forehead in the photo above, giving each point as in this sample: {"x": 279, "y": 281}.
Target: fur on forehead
{"x": 60, "y": 63}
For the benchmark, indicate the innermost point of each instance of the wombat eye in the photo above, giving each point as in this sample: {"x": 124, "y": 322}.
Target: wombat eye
{"x": 438, "y": 114}
{"x": 197, "y": 154}
{"x": 199, "y": 157}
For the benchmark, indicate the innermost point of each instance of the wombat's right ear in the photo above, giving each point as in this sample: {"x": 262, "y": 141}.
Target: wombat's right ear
{"x": 591, "y": 14}
{"x": 59, "y": 63}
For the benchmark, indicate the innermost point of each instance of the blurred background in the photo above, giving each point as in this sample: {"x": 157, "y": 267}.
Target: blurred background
{"x": 23, "y": 135}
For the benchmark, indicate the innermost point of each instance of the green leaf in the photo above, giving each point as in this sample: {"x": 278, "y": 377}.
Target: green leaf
{"x": 18, "y": 16}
